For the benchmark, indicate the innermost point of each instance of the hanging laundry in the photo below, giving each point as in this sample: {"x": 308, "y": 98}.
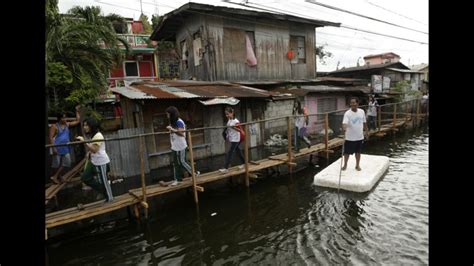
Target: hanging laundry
{"x": 251, "y": 59}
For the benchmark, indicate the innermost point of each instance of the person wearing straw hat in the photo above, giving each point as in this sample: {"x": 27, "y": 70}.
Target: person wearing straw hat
{"x": 354, "y": 126}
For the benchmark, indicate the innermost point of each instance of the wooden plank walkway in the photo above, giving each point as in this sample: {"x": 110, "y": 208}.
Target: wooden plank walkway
{"x": 134, "y": 196}
{"x": 55, "y": 188}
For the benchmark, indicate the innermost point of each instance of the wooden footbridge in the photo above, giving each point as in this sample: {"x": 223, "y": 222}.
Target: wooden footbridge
{"x": 137, "y": 198}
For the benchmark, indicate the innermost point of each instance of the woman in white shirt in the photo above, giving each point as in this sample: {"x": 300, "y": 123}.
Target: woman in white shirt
{"x": 98, "y": 161}
{"x": 178, "y": 146}
{"x": 233, "y": 135}
{"x": 372, "y": 113}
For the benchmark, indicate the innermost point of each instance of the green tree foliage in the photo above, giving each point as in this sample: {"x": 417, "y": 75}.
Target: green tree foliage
{"x": 155, "y": 20}
{"x": 404, "y": 88}
{"x": 81, "y": 47}
{"x": 322, "y": 54}
{"x": 147, "y": 28}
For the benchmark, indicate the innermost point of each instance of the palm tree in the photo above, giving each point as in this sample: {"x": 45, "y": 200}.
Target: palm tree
{"x": 85, "y": 42}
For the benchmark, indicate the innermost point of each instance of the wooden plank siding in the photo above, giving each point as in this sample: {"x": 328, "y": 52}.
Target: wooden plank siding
{"x": 224, "y": 44}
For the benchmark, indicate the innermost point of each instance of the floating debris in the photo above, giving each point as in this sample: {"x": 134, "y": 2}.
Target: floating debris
{"x": 276, "y": 140}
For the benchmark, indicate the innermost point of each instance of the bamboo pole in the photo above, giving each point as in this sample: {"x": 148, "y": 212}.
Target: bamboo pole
{"x": 246, "y": 156}
{"x": 142, "y": 171}
{"x": 406, "y": 113}
{"x": 326, "y": 133}
{"x": 379, "y": 114}
{"x": 394, "y": 116}
{"x": 288, "y": 120}
{"x": 193, "y": 175}
{"x": 417, "y": 110}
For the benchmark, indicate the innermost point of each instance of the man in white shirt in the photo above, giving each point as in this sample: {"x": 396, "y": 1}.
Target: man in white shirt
{"x": 354, "y": 126}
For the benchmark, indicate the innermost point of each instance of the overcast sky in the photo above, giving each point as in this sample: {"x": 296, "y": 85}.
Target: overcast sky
{"x": 346, "y": 45}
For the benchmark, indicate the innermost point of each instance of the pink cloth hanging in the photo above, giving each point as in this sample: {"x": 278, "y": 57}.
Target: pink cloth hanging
{"x": 251, "y": 59}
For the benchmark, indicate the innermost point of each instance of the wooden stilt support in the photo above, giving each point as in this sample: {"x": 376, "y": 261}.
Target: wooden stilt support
{"x": 394, "y": 116}
{"x": 417, "y": 111}
{"x": 142, "y": 171}
{"x": 379, "y": 114}
{"x": 136, "y": 211}
{"x": 406, "y": 113}
{"x": 326, "y": 134}
{"x": 199, "y": 188}
{"x": 288, "y": 120}
{"x": 246, "y": 143}
{"x": 190, "y": 143}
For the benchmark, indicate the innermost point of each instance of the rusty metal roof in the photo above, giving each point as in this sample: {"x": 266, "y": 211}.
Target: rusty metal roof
{"x": 172, "y": 21}
{"x": 304, "y": 90}
{"x": 339, "y": 79}
{"x": 188, "y": 89}
{"x": 366, "y": 67}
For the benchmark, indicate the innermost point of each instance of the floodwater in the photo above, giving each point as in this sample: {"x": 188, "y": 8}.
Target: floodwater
{"x": 280, "y": 220}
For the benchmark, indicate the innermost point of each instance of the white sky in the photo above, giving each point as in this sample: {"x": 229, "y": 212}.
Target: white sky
{"x": 347, "y": 46}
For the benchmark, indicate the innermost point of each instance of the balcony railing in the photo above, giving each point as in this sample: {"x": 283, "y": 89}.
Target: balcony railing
{"x": 135, "y": 40}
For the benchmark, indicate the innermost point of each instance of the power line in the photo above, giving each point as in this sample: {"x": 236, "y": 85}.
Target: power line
{"x": 388, "y": 10}
{"x": 124, "y": 7}
{"x": 342, "y": 26}
{"x": 381, "y": 34}
{"x": 363, "y": 16}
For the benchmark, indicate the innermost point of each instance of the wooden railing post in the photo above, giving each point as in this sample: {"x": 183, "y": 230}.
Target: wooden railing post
{"x": 142, "y": 171}
{"x": 394, "y": 116}
{"x": 193, "y": 175}
{"x": 326, "y": 134}
{"x": 246, "y": 150}
{"x": 288, "y": 119}
{"x": 379, "y": 114}
{"x": 417, "y": 110}
{"x": 406, "y": 113}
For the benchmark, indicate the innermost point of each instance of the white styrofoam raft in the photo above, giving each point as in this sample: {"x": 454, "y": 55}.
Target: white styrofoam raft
{"x": 373, "y": 167}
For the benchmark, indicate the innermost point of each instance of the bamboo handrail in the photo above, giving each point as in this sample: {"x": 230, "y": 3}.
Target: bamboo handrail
{"x": 193, "y": 175}
{"x": 207, "y": 128}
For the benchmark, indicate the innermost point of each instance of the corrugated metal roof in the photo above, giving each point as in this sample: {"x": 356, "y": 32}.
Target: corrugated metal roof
{"x": 405, "y": 70}
{"x": 303, "y": 90}
{"x": 226, "y": 100}
{"x": 339, "y": 79}
{"x": 131, "y": 93}
{"x": 419, "y": 67}
{"x": 366, "y": 67}
{"x": 178, "y": 89}
{"x": 325, "y": 88}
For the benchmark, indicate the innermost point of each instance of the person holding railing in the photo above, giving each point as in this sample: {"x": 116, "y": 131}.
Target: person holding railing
{"x": 178, "y": 146}
{"x": 97, "y": 166}
{"x": 424, "y": 102}
{"x": 372, "y": 113}
{"x": 59, "y": 134}
{"x": 300, "y": 126}
{"x": 233, "y": 134}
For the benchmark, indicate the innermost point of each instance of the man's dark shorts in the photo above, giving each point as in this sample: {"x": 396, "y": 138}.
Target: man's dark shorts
{"x": 351, "y": 147}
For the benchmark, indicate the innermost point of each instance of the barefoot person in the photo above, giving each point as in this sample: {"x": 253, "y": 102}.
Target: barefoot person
{"x": 354, "y": 126}
{"x": 59, "y": 134}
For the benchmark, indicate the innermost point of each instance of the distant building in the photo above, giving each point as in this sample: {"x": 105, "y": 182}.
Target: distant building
{"x": 384, "y": 58}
